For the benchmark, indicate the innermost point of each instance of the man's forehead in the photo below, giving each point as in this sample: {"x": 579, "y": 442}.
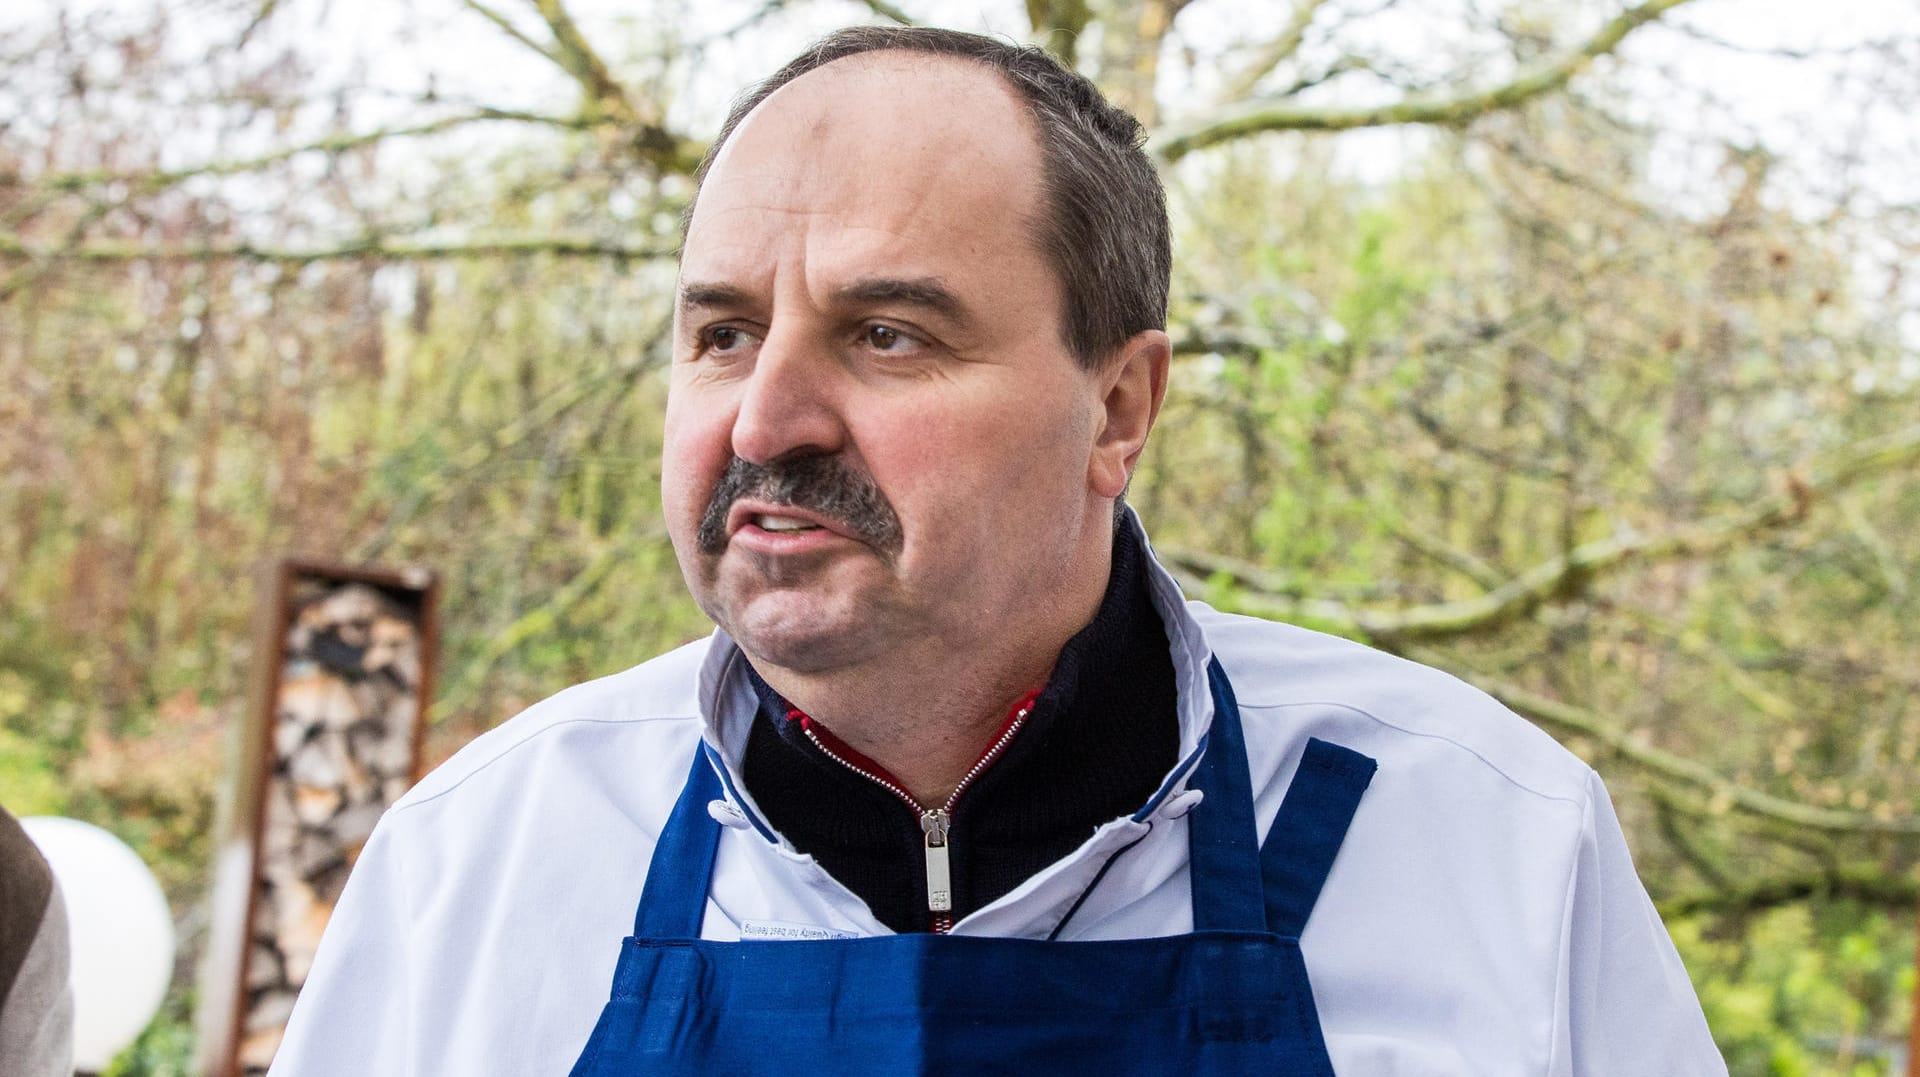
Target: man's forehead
{"x": 882, "y": 133}
{"x": 889, "y": 166}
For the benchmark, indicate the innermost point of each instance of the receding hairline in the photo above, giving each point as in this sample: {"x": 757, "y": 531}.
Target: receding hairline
{"x": 900, "y": 57}
{"x": 906, "y": 59}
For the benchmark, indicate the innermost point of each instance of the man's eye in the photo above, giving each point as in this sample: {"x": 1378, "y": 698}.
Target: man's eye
{"x": 724, "y": 338}
{"x": 884, "y": 338}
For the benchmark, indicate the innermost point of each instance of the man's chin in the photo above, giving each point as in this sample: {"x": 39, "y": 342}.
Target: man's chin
{"x": 800, "y": 638}
{"x": 807, "y": 653}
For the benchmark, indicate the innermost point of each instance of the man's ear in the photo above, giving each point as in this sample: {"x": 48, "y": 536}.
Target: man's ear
{"x": 1132, "y": 383}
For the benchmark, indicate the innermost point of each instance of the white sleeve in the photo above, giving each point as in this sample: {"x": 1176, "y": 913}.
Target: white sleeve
{"x": 1628, "y": 1005}
{"x": 351, "y": 1018}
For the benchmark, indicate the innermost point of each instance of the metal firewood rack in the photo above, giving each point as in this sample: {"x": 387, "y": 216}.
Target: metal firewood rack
{"x": 344, "y": 662}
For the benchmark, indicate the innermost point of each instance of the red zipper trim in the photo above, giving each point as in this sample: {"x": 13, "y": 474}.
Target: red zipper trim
{"x": 851, "y": 758}
{"x": 847, "y": 756}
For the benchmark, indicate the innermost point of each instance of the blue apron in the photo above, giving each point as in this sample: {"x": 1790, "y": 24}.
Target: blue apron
{"x": 1230, "y": 998}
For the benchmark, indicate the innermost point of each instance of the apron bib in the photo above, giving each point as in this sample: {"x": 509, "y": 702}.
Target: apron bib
{"x": 1230, "y": 998}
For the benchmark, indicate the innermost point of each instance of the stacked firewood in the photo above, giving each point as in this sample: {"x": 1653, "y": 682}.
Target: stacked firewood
{"x": 343, "y": 749}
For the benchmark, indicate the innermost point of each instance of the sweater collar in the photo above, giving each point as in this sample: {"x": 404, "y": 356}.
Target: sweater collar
{"x": 729, "y": 702}
{"x": 1084, "y": 673}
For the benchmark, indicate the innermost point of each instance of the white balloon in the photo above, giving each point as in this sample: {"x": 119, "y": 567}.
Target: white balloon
{"x": 122, "y": 935}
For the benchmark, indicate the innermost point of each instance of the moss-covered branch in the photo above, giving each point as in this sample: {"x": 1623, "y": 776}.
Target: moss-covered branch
{"x": 577, "y": 56}
{"x": 643, "y": 126}
{"x": 1867, "y": 884}
{"x": 1254, "y": 117}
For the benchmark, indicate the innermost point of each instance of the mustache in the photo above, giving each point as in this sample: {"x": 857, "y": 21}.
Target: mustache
{"x": 821, "y": 484}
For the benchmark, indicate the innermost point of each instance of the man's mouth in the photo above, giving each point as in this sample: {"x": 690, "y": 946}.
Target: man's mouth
{"x": 769, "y": 522}
{"x": 793, "y": 497}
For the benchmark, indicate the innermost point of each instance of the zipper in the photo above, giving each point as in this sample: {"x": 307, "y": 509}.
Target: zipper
{"x": 935, "y": 823}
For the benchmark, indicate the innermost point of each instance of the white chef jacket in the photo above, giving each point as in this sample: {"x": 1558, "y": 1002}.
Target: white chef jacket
{"x": 1482, "y": 918}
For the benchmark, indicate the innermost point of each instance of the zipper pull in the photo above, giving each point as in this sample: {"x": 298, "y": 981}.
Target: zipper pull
{"x": 939, "y": 882}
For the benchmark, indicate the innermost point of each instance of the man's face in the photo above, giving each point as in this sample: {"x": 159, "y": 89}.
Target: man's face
{"x": 877, "y": 444}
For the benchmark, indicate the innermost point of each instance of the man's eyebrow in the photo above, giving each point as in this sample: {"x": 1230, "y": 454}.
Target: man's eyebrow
{"x": 925, "y": 292}
{"x": 700, "y": 294}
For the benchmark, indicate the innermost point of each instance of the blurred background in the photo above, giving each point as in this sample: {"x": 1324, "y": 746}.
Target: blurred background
{"x": 1568, "y": 346}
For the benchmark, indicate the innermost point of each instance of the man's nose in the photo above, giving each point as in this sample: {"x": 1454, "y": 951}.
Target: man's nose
{"x": 789, "y": 404}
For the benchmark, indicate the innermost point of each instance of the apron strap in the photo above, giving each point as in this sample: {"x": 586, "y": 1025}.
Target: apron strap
{"x": 1308, "y": 831}
{"x": 673, "y": 903}
{"x": 1223, "y": 841}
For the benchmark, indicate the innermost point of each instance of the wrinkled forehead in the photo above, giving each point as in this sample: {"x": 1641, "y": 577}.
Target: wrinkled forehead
{"x": 937, "y": 148}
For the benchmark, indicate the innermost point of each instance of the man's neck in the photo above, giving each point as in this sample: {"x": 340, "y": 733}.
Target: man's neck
{"x": 926, "y": 713}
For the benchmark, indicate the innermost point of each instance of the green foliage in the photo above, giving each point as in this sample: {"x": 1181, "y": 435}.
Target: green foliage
{"x": 30, "y": 777}
{"x": 165, "y": 1048}
{"x": 1804, "y": 991}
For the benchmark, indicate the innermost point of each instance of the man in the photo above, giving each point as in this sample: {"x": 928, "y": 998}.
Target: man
{"x": 962, "y": 782}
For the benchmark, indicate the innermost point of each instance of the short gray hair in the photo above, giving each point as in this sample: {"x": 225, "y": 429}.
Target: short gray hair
{"x": 1103, "y": 224}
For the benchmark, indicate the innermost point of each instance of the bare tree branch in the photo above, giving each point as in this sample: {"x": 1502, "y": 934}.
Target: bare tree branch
{"x": 260, "y": 16}
{"x": 1185, "y": 562}
{"x": 1582, "y": 722}
{"x": 372, "y": 247}
{"x": 1523, "y": 594}
{"x": 1868, "y": 884}
{"x": 604, "y": 98}
{"x": 1243, "y": 573}
{"x": 576, "y": 55}
{"x": 1238, "y": 342}
{"x": 1275, "y": 52}
{"x": 1461, "y": 561}
{"x": 139, "y": 183}
{"x": 1058, "y": 24}
{"x": 1253, "y": 117}
{"x": 507, "y": 27}
{"x": 1686, "y": 839}
{"x": 1344, "y": 65}
{"x": 889, "y": 12}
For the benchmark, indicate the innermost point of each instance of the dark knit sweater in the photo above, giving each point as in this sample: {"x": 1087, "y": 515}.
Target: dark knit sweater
{"x": 1101, "y": 737}
{"x": 26, "y": 885}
